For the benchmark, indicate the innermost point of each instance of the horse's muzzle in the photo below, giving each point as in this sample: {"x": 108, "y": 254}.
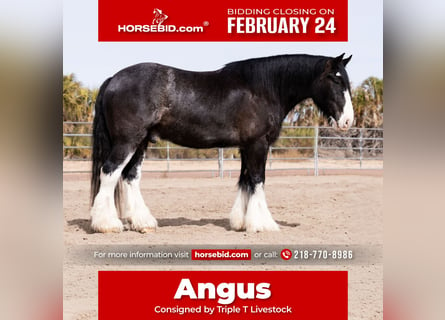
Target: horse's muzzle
{"x": 344, "y": 125}
{"x": 340, "y": 125}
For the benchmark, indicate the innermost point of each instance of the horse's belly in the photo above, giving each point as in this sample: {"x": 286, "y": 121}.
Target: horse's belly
{"x": 198, "y": 137}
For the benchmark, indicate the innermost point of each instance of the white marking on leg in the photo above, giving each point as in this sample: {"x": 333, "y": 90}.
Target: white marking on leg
{"x": 135, "y": 209}
{"x": 258, "y": 216}
{"x": 237, "y": 215}
{"x": 347, "y": 116}
{"x": 104, "y": 217}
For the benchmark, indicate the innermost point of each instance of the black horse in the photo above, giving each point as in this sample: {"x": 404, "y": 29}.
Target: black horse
{"x": 243, "y": 104}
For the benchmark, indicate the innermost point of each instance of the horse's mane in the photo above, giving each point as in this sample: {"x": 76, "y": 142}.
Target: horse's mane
{"x": 275, "y": 73}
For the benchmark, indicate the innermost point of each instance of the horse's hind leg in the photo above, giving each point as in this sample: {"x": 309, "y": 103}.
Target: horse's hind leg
{"x": 135, "y": 210}
{"x": 104, "y": 215}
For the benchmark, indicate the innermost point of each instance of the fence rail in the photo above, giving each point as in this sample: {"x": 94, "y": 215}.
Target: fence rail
{"x": 298, "y": 148}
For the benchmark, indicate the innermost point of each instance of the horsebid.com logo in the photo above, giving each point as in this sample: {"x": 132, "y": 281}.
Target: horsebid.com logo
{"x": 157, "y": 25}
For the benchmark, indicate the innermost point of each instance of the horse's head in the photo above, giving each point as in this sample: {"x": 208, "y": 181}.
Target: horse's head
{"x": 332, "y": 93}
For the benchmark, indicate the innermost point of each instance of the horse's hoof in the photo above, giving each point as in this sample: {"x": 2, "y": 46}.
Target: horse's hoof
{"x": 114, "y": 229}
{"x": 142, "y": 222}
{"x": 261, "y": 229}
{"x": 147, "y": 230}
{"x": 107, "y": 226}
{"x": 268, "y": 225}
{"x": 237, "y": 224}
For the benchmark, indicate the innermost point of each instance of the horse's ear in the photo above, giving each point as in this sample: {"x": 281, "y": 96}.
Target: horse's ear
{"x": 346, "y": 61}
{"x": 339, "y": 59}
{"x": 332, "y": 64}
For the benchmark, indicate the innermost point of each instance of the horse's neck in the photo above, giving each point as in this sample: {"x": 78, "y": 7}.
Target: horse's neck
{"x": 302, "y": 92}
{"x": 294, "y": 81}
{"x": 294, "y": 89}
{"x": 287, "y": 82}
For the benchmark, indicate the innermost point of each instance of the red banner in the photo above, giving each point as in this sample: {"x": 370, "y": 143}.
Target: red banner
{"x": 246, "y": 20}
{"x": 315, "y": 295}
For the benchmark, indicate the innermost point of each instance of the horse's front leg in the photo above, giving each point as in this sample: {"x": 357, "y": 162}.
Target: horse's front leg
{"x": 251, "y": 195}
{"x": 238, "y": 213}
{"x": 258, "y": 216}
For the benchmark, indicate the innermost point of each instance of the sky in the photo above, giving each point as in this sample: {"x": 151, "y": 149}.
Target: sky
{"x": 92, "y": 61}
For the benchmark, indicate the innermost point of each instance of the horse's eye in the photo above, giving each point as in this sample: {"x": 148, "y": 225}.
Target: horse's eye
{"x": 336, "y": 78}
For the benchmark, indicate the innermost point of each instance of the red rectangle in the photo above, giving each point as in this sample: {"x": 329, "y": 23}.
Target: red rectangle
{"x": 246, "y": 20}
{"x": 302, "y": 295}
{"x": 221, "y": 254}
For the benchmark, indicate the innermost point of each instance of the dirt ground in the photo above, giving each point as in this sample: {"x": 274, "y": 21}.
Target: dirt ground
{"x": 323, "y": 210}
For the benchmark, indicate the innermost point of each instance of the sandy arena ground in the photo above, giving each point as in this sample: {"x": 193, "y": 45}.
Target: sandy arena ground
{"x": 325, "y": 210}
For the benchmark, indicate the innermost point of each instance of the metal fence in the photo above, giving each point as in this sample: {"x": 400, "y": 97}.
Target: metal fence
{"x": 313, "y": 150}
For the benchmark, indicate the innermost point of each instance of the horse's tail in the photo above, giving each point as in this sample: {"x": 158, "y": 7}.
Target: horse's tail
{"x": 101, "y": 142}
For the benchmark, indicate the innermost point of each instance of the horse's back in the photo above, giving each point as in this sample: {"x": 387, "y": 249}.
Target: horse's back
{"x": 135, "y": 77}
{"x": 194, "y": 109}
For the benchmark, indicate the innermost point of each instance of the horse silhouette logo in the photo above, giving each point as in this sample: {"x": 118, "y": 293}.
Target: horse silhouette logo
{"x": 159, "y": 17}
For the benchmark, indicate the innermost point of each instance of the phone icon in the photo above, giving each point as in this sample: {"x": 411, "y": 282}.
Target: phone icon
{"x": 286, "y": 254}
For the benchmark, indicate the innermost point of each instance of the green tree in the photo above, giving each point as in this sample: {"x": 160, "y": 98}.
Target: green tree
{"x": 78, "y": 106}
{"x": 78, "y": 101}
{"x": 367, "y": 100}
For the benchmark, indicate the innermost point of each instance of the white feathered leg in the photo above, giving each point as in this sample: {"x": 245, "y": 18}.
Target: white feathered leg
{"x": 238, "y": 213}
{"x": 135, "y": 209}
{"x": 104, "y": 217}
{"x": 258, "y": 216}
